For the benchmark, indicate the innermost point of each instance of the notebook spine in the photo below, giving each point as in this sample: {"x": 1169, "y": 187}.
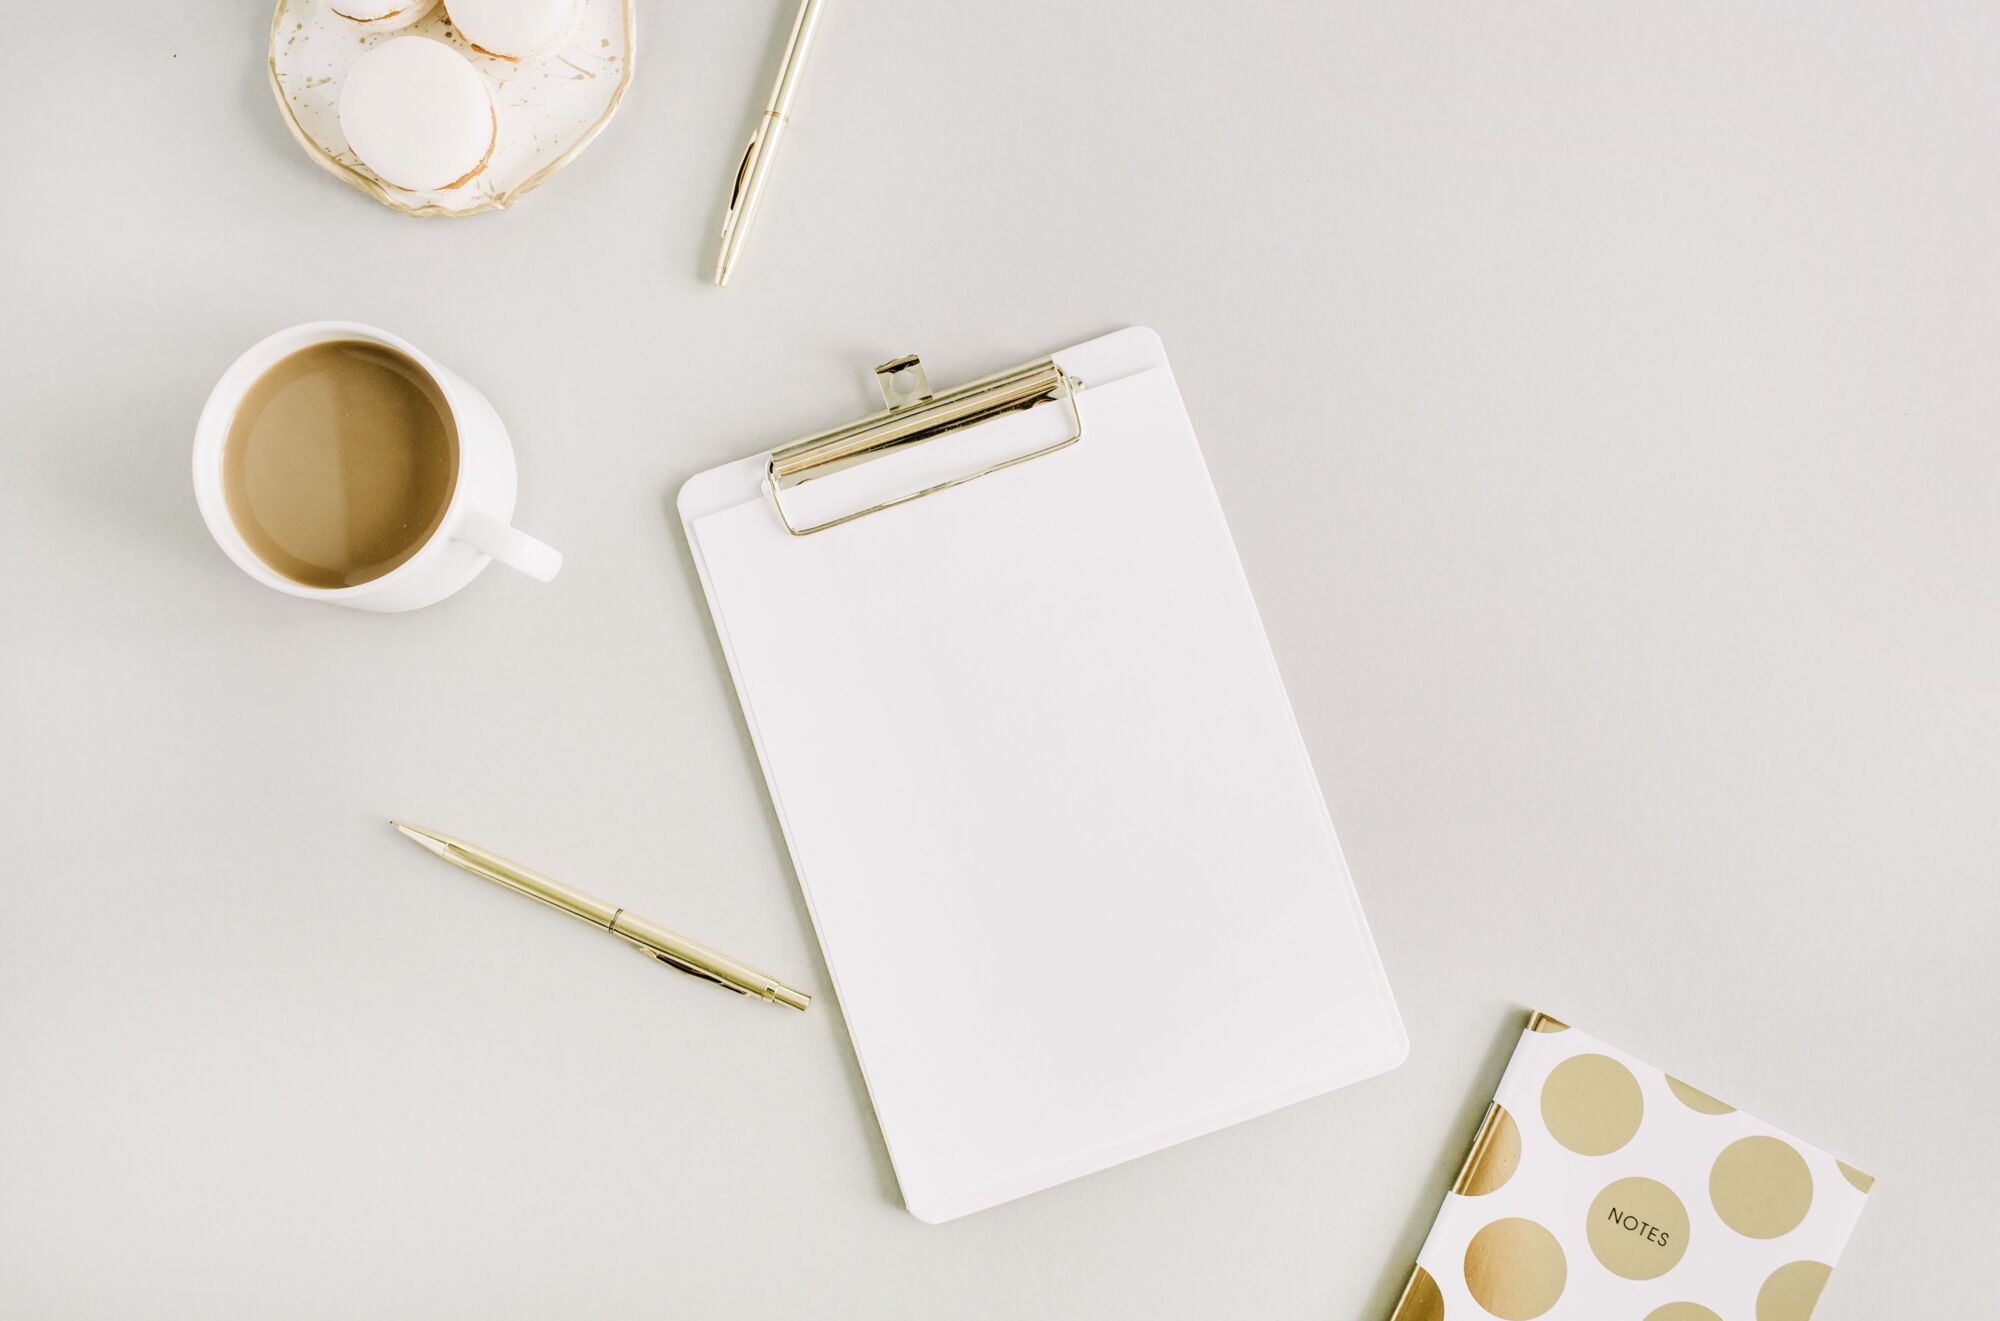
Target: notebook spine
{"x": 1421, "y": 1299}
{"x": 1492, "y": 1157}
{"x": 1489, "y": 1163}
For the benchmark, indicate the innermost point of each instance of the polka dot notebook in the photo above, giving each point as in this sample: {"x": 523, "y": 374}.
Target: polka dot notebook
{"x": 1600, "y": 1189}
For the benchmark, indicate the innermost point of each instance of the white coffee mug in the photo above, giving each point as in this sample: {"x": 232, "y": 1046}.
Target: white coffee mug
{"x": 476, "y": 523}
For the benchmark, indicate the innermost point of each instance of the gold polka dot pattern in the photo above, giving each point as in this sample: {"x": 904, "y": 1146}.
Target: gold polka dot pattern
{"x": 1637, "y": 1228}
{"x": 1515, "y": 1269}
{"x": 1682, "y": 1312}
{"x": 1592, "y": 1104}
{"x": 1422, "y": 1299}
{"x": 1761, "y": 1187}
{"x": 1792, "y": 1291}
{"x": 1496, "y": 1153}
{"x": 1698, "y": 1101}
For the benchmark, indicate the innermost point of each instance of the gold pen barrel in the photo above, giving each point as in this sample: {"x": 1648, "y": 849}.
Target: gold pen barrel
{"x": 704, "y": 960}
{"x": 805, "y": 26}
{"x": 528, "y": 881}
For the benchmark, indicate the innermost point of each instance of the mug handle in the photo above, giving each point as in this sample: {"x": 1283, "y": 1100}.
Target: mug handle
{"x": 510, "y": 546}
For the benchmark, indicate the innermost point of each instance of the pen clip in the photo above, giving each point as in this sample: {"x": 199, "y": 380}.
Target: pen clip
{"x": 742, "y": 173}
{"x": 681, "y": 965}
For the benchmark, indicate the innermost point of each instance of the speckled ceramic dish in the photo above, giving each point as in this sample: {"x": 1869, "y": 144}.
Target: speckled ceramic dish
{"x": 550, "y": 107}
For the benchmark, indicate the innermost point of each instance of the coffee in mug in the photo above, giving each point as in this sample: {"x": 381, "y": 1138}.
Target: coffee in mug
{"x": 339, "y": 463}
{"x": 335, "y": 461}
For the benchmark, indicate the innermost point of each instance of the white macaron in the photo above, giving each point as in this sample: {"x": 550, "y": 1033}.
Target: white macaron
{"x": 514, "y": 29}
{"x": 418, "y": 114}
{"x": 380, "y": 15}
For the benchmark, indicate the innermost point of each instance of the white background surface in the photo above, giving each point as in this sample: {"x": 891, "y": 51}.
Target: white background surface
{"x": 1604, "y": 401}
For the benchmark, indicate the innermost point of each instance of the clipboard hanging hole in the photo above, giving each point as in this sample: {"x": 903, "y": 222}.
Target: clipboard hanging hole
{"x": 903, "y": 382}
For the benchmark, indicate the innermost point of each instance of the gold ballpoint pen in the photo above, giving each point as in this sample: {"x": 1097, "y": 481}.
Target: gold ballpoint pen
{"x": 762, "y": 153}
{"x": 669, "y": 947}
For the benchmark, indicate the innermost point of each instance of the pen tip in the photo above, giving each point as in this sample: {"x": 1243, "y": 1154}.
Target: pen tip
{"x": 423, "y": 838}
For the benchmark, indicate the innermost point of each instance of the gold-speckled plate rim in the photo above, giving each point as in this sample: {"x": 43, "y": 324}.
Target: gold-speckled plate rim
{"x": 387, "y": 196}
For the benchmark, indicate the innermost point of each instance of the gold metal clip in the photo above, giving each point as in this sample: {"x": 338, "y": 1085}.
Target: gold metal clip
{"x": 913, "y": 414}
{"x": 683, "y": 965}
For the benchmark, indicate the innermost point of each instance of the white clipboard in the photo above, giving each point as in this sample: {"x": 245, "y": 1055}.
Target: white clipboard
{"x": 1066, "y": 855}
